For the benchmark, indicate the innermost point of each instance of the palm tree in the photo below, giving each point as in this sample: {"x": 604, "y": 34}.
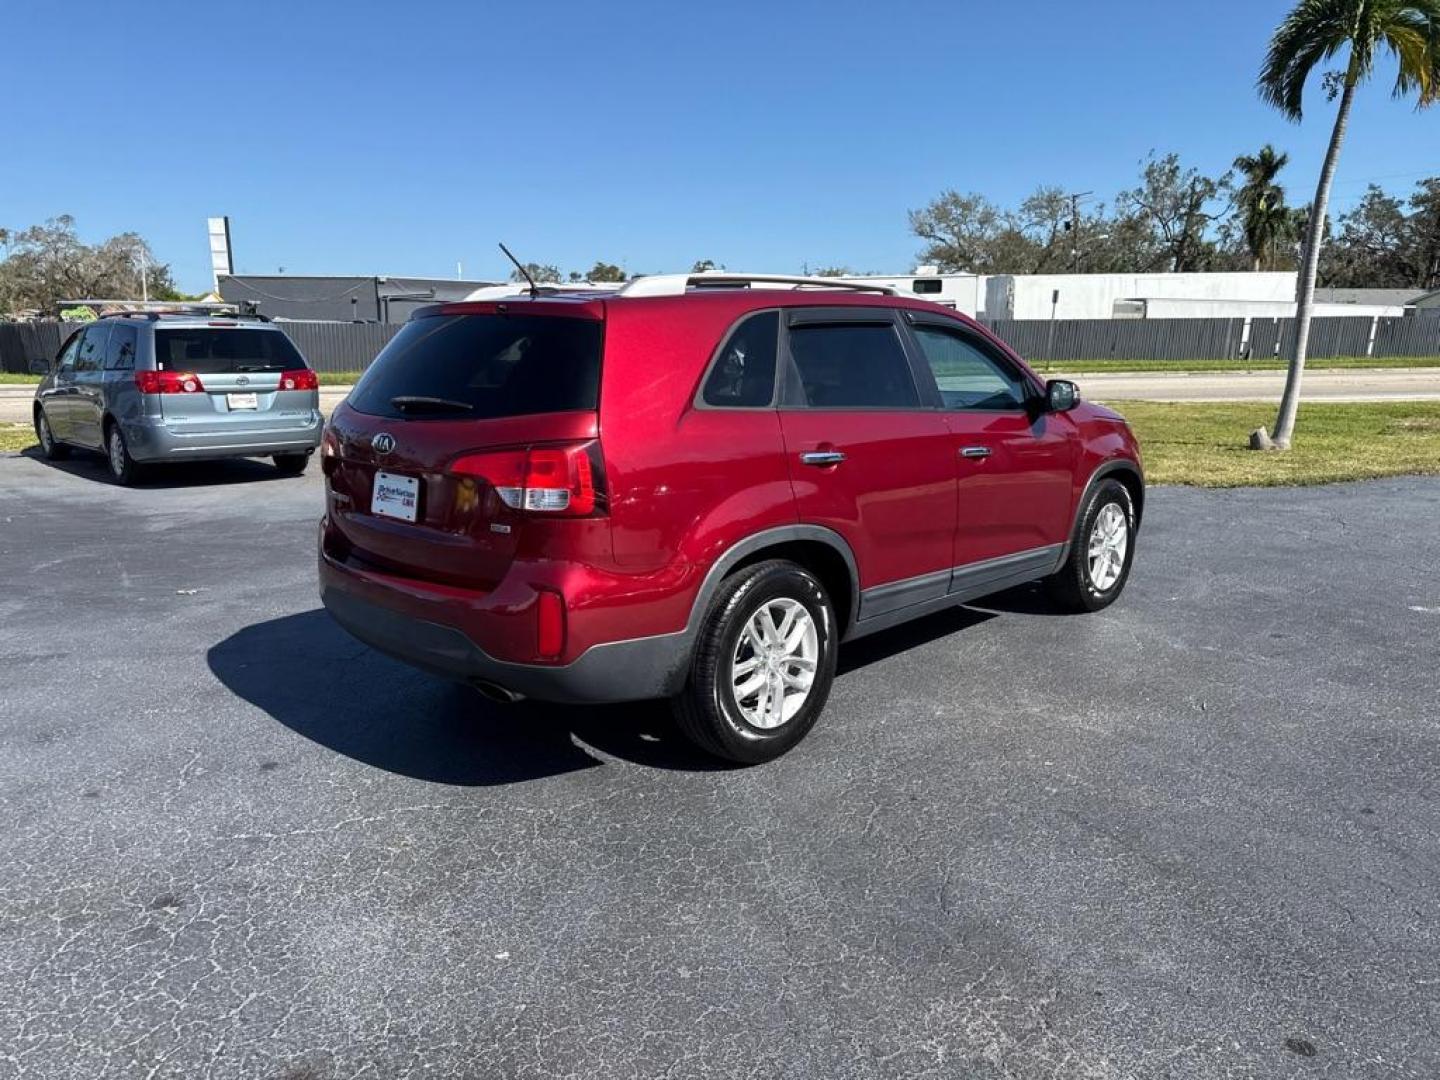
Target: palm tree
{"x": 1264, "y": 216}
{"x": 1314, "y": 31}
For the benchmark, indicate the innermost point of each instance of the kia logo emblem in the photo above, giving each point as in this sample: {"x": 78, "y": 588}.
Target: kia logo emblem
{"x": 383, "y": 443}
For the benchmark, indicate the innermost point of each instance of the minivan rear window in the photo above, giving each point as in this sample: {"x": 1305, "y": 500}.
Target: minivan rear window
{"x": 210, "y": 350}
{"x": 481, "y": 367}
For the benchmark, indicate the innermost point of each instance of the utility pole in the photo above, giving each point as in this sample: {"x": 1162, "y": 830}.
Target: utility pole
{"x": 1073, "y": 227}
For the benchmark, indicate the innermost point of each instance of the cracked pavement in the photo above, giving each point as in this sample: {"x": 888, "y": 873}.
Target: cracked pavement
{"x": 1197, "y": 835}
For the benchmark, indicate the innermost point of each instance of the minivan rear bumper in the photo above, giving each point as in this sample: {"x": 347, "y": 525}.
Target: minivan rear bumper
{"x": 421, "y": 630}
{"x": 153, "y": 440}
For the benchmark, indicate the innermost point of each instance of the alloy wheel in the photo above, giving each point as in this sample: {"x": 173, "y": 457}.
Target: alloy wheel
{"x": 775, "y": 661}
{"x": 1109, "y": 543}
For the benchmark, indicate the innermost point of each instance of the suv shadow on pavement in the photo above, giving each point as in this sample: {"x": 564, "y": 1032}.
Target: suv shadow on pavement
{"x": 91, "y": 465}
{"x": 312, "y": 677}
{"x": 321, "y": 683}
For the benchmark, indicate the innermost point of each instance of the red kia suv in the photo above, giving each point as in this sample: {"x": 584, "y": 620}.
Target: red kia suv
{"x": 697, "y": 487}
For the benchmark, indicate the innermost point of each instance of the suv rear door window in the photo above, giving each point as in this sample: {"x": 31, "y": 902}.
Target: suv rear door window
{"x": 967, "y": 376}
{"x": 744, "y": 373}
{"x": 852, "y": 366}
{"x": 210, "y": 350}
{"x": 481, "y": 367}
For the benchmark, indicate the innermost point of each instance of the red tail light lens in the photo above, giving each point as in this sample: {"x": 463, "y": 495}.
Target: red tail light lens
{"x": 168, "y": 382}
{"x": 304, "y": 379}
{"x": 564, "y": 480}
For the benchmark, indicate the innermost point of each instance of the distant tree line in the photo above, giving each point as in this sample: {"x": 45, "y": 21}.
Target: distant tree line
{"x": 45, "y": 264}
{"x": 1179, "y": 219}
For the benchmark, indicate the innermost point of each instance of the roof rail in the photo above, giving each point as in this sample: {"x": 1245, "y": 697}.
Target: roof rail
{"x": 193, "y": 311}
{"x": 679, "y": 284}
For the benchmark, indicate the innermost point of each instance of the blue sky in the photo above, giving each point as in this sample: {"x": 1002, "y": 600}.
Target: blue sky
{"x": 399, "y": 139}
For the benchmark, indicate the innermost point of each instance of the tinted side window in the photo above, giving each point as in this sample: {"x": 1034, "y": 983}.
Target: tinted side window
{"x": 744, "y": 373}
{"x": 92, "y": 349}
{"x": 927, "y": 285}
{"x": 852, "y": 365}
{"x": 67, "y": 354}
{"x": 120, "y": 354}
{"x": 967, "y": 375}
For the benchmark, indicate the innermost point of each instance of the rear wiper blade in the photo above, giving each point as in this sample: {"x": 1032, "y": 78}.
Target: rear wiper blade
{"x": 258, "y": 367}
{"x": 406, "y": 403}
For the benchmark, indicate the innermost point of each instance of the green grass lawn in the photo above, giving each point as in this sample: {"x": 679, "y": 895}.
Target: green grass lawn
{"x": 1206, "y": 444}
{"x": 1323, "y": 363}
{"x": 1046, "y": 367}
{"x": 16, "y": 436}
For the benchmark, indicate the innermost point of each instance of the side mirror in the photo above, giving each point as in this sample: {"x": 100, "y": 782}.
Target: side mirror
{"x": 39, "y": 367}
{"x": 1061, "y": 395}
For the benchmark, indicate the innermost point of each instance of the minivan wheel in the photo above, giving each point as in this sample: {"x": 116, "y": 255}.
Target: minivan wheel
{"x": 763, "y": 664}
{"x": 124, "y": 469}
{"x": 1101, "y": 551}
{"x": 53, "y": 450}
{"x": 291, "y": 464}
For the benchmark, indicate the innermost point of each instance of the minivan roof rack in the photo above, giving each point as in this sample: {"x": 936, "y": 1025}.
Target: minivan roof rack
{"x": 193, "y": 311}
{"x": 679, "y": 284}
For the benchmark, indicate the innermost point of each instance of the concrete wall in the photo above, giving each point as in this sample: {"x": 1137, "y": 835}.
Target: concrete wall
{"x": 1093, "y": 296}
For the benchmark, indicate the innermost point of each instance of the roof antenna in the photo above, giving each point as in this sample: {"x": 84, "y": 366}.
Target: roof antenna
{"x": 534, "y": 289}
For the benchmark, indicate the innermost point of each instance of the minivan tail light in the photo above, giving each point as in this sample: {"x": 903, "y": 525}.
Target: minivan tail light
{"x": 304, "y": 379}
{"x": 168, "y": 382}
{"x": 560, "y": 480}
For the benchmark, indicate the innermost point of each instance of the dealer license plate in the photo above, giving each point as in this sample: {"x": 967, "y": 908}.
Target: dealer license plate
{"x": 395, "y": 496}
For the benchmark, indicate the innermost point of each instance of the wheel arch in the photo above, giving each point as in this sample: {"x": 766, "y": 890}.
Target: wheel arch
{"x": 1126, "y": 472}
{"x": 819, "y": 550}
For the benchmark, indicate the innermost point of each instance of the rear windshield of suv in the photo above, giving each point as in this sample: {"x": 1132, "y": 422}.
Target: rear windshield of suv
{"x": 481, "y": 367}
{"x": 210, "y": 350}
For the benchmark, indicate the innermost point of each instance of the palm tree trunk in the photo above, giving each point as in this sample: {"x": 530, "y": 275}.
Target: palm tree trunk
{"x": 1314, "y": 237}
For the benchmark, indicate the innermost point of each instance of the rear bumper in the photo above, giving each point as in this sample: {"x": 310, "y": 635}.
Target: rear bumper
{"x": 422, "y": 631}
{"x": 154, "y": 440}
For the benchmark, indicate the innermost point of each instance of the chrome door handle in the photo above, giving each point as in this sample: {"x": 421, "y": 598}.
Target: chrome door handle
{"x": 822, "y": 457}
{"x": 975, "y": 451}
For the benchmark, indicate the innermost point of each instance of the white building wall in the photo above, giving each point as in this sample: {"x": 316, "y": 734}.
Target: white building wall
{"x": 964, "y": 293}
{"x": 1093, "y": 296}
{"x": 1261, "y": 309}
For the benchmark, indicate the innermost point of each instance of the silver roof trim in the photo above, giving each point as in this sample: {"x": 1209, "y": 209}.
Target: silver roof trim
{"x": 679, "y": 284}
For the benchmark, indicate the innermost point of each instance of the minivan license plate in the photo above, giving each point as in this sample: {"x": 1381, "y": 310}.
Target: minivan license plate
{"x": 395, "y": 496}
{"x": 241, "y": 401}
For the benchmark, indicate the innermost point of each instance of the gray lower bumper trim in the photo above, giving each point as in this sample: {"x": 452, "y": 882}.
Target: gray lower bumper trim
{"x": 631, "y": 670}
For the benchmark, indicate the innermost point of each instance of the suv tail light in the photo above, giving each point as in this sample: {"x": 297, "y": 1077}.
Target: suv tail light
{"x": 329, "y": 451}
{"x": 304, "y": 379}
{"x": 168, "y": 382}
{"x": 561, "y": 480}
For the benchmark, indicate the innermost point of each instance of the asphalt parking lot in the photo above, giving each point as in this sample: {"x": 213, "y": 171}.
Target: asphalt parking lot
{"x": 1197, "y": 835}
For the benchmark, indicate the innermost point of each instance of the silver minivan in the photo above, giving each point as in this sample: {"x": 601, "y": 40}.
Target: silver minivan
{"x": 152, "y": 387}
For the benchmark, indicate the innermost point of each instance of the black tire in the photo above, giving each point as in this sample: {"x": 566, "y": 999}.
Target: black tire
{"x": 1072, "y": 587}
{"x": 124, "y": 469}
{"x": 53, "y": 449}
{"x": 291, "y": 464}
{"x": 707, "y": 710}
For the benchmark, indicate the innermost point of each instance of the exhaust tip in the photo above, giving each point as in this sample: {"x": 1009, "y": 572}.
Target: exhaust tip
{"x": 496, "y": 692}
